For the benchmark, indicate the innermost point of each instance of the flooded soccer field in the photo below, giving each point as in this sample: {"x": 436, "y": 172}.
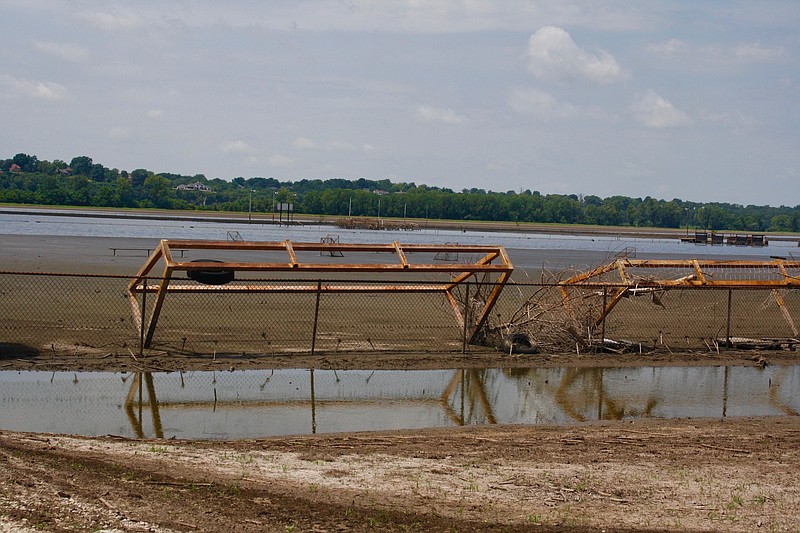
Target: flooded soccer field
{"x": 260, "y": 403}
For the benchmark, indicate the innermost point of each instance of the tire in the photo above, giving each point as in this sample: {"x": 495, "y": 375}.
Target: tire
{"x": 212, "y": 276}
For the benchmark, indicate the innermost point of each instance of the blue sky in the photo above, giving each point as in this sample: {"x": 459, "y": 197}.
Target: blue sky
{"x": 698, "y": 100}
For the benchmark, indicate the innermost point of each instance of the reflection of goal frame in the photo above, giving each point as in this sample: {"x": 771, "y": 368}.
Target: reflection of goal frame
{"x": 459, "y": 274}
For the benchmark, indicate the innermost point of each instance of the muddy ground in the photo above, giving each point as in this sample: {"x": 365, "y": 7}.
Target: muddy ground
{"x": 651, "y": 475}
{"x": 733, "y": 474}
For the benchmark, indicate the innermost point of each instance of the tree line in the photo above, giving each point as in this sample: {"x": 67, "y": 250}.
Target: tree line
{"x": 82, "y": 182}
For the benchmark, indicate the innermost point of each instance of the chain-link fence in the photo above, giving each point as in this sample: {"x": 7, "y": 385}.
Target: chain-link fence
{"x": 82, "y": 314}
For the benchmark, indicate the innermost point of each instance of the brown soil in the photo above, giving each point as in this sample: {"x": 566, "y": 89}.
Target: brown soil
{"x": 652, "y": 475}
{"x": 476, "y": 358}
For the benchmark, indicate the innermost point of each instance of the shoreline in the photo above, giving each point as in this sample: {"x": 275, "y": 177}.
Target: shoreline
{"x": 321, "y": 220}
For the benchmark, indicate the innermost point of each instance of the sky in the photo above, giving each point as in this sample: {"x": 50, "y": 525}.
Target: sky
{"x": 689, "y": 99}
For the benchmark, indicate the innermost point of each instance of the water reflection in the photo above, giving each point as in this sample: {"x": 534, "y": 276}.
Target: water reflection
{"x": 302, "y": 401}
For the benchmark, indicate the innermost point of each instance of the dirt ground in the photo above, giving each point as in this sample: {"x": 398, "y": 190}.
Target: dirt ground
{"x": 733, "y": 474}
{"x": 651, "y": 475}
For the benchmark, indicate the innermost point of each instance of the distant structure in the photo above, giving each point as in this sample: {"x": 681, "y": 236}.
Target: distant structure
{"x": 733, "y": 239}
{"x": 196, "y": 186}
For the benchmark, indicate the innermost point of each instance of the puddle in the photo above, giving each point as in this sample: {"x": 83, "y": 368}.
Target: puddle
{"x": 232, "y": 405}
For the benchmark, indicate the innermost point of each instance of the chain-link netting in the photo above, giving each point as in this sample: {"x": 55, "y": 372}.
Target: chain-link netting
{"x": 74, "y": 314}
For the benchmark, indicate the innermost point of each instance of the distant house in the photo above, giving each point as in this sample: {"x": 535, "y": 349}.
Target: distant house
{"x": 196, "y": 186}
{"x": 64, "y": 171}
{"x": 380, "y": 192}
{"x": 15, "y": 168}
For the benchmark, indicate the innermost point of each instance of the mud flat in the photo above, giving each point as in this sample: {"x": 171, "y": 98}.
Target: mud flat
{"x": 652, "y": 475}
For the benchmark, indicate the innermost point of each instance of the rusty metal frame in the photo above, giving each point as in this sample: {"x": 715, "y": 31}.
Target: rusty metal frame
{"x": 459, "y": 273}
{"x": 698, "y": 278}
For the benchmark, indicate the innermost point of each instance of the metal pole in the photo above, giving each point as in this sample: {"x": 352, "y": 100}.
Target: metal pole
{"x": 728, "y": 327}
{"x": 466, "y": 320}
{"x": 603, "y": 326}
{"x": 250, "y": 209}
{"x": 316, "y": 318}
{"x": 142, "y": 314}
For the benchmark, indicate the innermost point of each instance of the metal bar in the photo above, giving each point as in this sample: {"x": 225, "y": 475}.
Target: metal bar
{"x": 142, "y": 316}
{"x": 323, "y": 267}
{"x": 148, "y": 264}
{"x": 261, "y": 289}
{"x": 466, "y": 320}
{"x": 401, "y": 254}
{"x": 162, "y": 292}
{"x": 316, "y": 319}
{"x": 292, "y": 257}
{"x": 603, "y": 329}
{"x": 498, "y": 288}
{"x": 610, "y": 306}
{"x": 728, "y": 322}
{"x": 316, "y": 246}
{"x": 785, "y": 311}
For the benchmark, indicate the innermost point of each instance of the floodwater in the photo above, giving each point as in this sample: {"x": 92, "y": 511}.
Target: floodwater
{"x": 259, "y": 403}
{"x": 24, "y": 223}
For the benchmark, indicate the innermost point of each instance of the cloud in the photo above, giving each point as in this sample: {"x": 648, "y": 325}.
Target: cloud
{"x": 237, "y": 147}
{"x": 66, "y": 51}
{"x": 406, "y": 16}
{"x": 43, "y": 90}
{"x": 718, "y": 54}
{"x": 155, "y": 114}
{"x": 553, "y": 55}
{"x": 110, "y": 21}
{"x": 432, "y": 114}
{"x": 279, "y": 160}
{"x": 758, "y": 53}
{"x": 303, "y": 143}
{"x": 119, "y": 133}
{"x": 656, "y": 112}
{"x": 540, "y": 103}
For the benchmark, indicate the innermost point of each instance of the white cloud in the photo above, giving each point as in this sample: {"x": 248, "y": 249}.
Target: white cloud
{"x": 432, "y": 114}
{"x": 718, "y": 54}
{"x": 758, "y": 53}
{"x": 367, "y": 148}
{"x": 553, "y": 55}
{"x": 540, "y": 103}
{"x": 303, "y": 143}
{"x": 43, "y": 90}
{"x": 408, "y": 16}
{"x": 110, "y": 21}
{"x": 66, "y": 51}
{"x": 279, "y": 160}
{"x": 237, "y": 147}
{"x": 655, "y": 111}
{"x": 155, "y": 114}
{"x": 119, "y": 133}
{"x": 668, "y": 48}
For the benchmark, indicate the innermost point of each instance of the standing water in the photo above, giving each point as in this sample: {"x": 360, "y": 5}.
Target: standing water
{"x": 230, "y": 405}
